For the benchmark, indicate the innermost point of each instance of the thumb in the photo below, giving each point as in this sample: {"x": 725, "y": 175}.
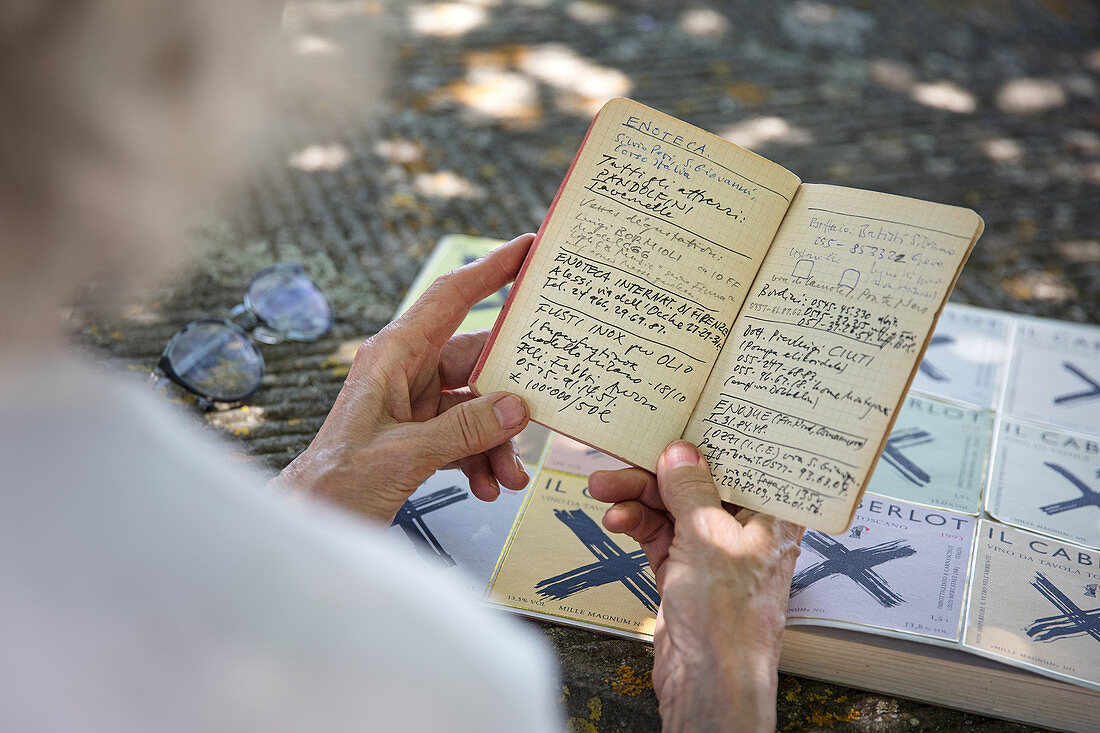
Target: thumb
{"x": 469, "y": 428}
{"x": 684, "y": 480}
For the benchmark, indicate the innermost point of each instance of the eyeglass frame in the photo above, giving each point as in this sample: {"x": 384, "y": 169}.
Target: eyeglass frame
{"x": 247, "y": 323}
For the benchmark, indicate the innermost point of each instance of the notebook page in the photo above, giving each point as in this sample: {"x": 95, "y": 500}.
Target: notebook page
{"x": 638, "y": 271}
{"x": 806, "y": 389}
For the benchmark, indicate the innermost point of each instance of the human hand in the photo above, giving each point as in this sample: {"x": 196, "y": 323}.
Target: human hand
{"x": 724, "y": 581}
{"x": 405, "y": 410}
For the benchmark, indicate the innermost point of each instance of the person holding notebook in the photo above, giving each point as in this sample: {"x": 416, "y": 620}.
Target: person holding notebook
{"x": 153, "y": 584}
{"x": 724, "y": 577}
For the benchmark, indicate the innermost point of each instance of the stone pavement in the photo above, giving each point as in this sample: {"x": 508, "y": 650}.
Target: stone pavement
{"x": 992, "y": 104}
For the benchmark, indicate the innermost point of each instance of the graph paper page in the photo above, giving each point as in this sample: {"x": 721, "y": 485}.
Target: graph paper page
{"x": 818, "y": 361}
{"x": 637, "y": 274}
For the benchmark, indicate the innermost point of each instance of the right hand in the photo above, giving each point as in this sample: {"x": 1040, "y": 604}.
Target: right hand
{"x": 724, "y": 581}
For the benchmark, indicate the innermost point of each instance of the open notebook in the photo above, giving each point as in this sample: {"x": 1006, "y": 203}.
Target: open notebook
{"x": 684, "y": 287}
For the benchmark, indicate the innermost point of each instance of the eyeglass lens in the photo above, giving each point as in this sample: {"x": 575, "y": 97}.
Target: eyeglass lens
{"x": 216, "y": 360}
{"x": 288, "y": 302}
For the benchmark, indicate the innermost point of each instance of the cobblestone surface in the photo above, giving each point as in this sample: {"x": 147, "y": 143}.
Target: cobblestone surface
{"x": 992, "y": 104}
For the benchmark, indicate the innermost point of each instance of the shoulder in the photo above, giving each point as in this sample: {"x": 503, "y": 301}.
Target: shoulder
{"x": 150, "y": 561}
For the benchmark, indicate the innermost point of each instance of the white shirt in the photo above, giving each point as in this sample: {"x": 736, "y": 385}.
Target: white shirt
{"x": 148, "y": 583}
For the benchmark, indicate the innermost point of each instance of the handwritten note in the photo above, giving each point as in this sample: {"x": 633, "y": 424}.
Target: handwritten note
{"x": 640, "y": 268}
{"x": 683, "y": 287}
{"x": 807, "y": 385}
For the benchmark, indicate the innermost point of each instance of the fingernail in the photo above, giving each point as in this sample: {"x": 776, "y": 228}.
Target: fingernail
{"x": 510, "y": 411}
{"x": 521, "y": 467}
{"x": 681, "y": 454}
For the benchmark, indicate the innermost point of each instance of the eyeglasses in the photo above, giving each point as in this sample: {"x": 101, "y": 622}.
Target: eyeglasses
{"x": 218, "y": 359}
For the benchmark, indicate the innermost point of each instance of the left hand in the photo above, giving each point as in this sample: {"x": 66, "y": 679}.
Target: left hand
{"x": 405, "y": 410}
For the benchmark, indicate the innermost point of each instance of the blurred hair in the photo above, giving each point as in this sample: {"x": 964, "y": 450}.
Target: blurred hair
{"x": 118, "y": 115}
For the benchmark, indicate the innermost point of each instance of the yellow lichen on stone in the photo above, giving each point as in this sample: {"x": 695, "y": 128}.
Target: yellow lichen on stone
{"x": 587, "y": 725}
{"x": 828, "y": 719}
{"x": 576, "y": 725}
{"x": 818, "y": 718}
{"x": 628, "y": 682}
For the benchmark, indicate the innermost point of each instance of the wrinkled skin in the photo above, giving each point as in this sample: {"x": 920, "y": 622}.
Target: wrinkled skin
{"x": 724, "y": 580}
{"x": 405, "y": 411}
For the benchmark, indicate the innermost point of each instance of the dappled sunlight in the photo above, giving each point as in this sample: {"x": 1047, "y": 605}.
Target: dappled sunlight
{"x": 320, "y": 158}
{"x": 814, "y": 13}
{"x": 1081, "y": 251}
{"x": 499, "y": 94}
{"x": 758, "y": 131}
{"x": 1028, "y": 96}
{"x": 503, "y": 84}
{"x": 314, "y": 46}
{"x": 567, "y": 71}
{"x": 144, "y": 314}
{"x": 590, "y": 13}
{"x": 703, "y": 23}
{"x": 448, "y": 20}
{"x": 1046, "y": 286}
{"x": 945, "y": 95}
{"x": 1018, "y": 96}
{"x": 296, "y": 12}
{"x": 1002, "y": 150}
{"x": 447, "y": 185}
{"x": 399, "y": 150}
{"x": 821, "y": 24}
{"x": 578, "y": 105}
{"x": 942, "y": 94}
{"x": 238, "y": 420}
{"x": 893, "y": 75}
